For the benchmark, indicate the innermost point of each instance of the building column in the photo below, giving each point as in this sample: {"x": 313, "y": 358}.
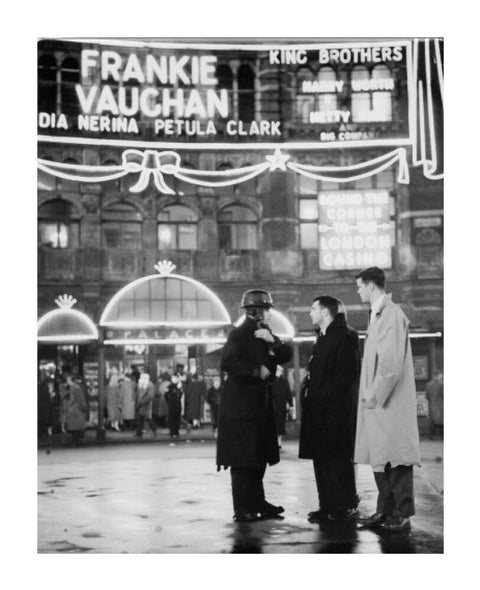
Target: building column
{"x": 101, "y": 390}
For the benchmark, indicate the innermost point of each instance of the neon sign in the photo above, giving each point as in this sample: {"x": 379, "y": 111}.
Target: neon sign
{"x": 355, "y": 229}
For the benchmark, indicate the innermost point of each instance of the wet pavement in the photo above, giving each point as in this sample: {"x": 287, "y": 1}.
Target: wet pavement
{"x": 161, "y": 498}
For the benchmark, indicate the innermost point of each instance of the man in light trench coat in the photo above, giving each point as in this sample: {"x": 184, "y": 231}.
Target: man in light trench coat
{"x": 387, "y": 430}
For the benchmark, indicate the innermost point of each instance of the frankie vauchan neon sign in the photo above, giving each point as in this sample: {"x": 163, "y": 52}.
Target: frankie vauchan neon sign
{"x": 154, "y": 164}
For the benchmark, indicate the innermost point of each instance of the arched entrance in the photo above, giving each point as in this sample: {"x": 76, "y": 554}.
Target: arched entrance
{"x": 157, "y": 322}
{"x": 65, "y": 336}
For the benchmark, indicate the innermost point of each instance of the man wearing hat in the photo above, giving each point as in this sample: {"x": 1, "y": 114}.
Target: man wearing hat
{"x": 247, "y": 438}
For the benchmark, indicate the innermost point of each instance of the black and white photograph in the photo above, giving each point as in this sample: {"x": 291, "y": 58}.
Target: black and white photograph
{"x": 240, "y": 327}
{"x": 232, "y": 276}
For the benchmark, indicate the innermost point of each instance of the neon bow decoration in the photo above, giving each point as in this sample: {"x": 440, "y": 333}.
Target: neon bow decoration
{"x": 151, "y": 163}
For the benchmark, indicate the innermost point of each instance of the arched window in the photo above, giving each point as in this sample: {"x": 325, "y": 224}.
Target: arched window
{"x": 70, "y": 73}
{"x": 177, "y": 228}
{"x": 371, "y": 94}
{"x": 237, "y": 228}
{"x": 305, "y": 101}
{"x": 327, "y": 101}
{"x": 121, "y": 227}
{"x": 68, "y": 185}
{"x": 224, "y": 77}
{"x": 111, "y": 186}
{"x": 47, "y": 84}
{"x": 58, "y": 225}
{"x": 183, "y": 187}
{"x": 246, "y": 93}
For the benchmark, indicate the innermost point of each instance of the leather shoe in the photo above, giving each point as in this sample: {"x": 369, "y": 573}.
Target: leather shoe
{"x": 317, "y": 516}
{"x": 247, "y": 517}
{"x": 349, "y": 514}
{"x": 396, "y": 524}
{"x": 269, "y": 510}
{"x": 373, "y": 520}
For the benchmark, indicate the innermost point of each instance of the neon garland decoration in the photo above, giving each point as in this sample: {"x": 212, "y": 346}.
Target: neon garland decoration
{"x": 152, "y": 163}
{"x": 425, "y": 79}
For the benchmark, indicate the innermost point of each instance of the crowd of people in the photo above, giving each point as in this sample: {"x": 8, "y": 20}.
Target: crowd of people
{"x": 134, "y": 402}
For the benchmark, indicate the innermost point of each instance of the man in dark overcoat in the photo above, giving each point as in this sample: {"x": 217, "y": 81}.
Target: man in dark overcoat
{"x": 329, "y": 402}
{"x": 247, "y": 438}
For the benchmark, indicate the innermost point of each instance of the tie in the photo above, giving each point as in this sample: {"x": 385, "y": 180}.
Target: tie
{"x": 369, "y": 316}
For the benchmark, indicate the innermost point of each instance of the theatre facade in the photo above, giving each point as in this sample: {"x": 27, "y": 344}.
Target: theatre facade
{"x": 286, "y": 165}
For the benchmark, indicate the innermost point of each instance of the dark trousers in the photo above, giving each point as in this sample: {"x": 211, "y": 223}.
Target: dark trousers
{"x": 140, "y": 423}
{"x": 395, "y": 490}
{"x": 173, "y": 420}
{"x": 335, "y": 480}
{"x": 247, "y": 489}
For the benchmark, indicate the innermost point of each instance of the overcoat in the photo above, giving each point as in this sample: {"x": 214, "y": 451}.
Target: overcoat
{"x": 195, "y": 394}
{"x": 144, "y": 399}
{"x": 329, "y": 394}
{"x": 387, "y": 430}
{"x": 246, "y": 423}
{"x": 76, "y": 408}
{"x": 282, "y": 396}
{"x": 127, "y": 396}
{"x": 113, "y": 400}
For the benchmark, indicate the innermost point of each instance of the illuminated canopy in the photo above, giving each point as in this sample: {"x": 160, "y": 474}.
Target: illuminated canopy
{"x": 279, "y": 324}
{"x": 66, "y": 325}
{"x": 165, "y": 300}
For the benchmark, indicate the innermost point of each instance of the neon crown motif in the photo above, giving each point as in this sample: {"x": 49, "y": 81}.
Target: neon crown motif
{"x": 165, "y": 267}
{"x": 65, "y": 301}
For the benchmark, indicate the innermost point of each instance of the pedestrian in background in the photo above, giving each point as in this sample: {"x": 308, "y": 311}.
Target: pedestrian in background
{"x": 387, "y": 431}
{"x": 127, "y": 396}
{"x": 76, "y": 410}
{"x": 282, "y": 402}
{"x": 435, "y": 404}
{"x": 44, "y": 408}
{"x": 173, "y": 397}
{"x": 214, "y": 396}
{"x": 195, "y": 393}
{"x": 113, "y": 401}
{"x": 159, "y": 406}
{"x": 247, "y": 438}
{"x": 145, "y": 393}
{"x": 329, "y": 392}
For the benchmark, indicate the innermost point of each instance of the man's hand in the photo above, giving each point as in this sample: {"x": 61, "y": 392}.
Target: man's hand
{"x": 264, "y": 334}
{"x": 264, "y": 373}
{"x": 369, "y": 404}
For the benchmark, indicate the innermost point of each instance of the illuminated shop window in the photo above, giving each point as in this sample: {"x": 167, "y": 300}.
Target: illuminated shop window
{"x": 121, "y": 227}
{"x": 429, "y": 248}
{"x": 224, "y": 76}
{"x": 308, "y": 214}
{"x": 246, "y": 93}
{"x": 177, "y": 228}
{"x": 327, "y": 101}
{"x": 57, "y": 226}
{"x": 70, "y": 76}
{"x": 305, "y": 103}
{"x": 47, "y": 84}
{"x": 237, "y": 228}
{"x": 371, "y": 94}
